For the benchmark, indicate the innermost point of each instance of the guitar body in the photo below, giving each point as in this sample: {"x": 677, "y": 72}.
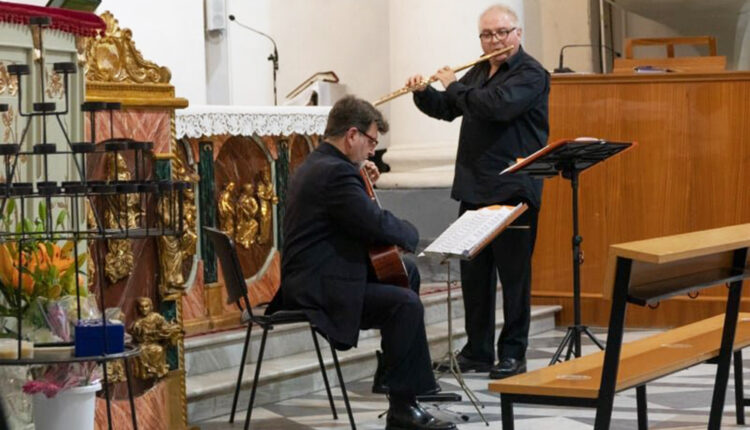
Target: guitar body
{"x": 388, "y": 266}
{"x": 385, "y": 259}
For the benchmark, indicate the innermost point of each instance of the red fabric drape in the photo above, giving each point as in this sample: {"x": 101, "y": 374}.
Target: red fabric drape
{"x": 71, "y": 21}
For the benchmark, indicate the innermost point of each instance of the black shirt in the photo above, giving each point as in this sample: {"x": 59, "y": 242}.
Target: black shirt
{"x": 504, "y": 118}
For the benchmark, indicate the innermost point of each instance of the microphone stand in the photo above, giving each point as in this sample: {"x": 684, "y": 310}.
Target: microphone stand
{"x": 274, "y": 57}
{"x": 561, "y": 69}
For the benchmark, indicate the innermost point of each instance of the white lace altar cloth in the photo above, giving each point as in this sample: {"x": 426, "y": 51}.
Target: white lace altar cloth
{"x": 212, "y": 120}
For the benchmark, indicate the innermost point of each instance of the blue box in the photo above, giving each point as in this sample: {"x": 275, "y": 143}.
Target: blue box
{"x": 89, "y": 338}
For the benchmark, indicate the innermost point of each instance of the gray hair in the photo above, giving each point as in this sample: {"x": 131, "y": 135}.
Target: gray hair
{"x": 503, "y": 9}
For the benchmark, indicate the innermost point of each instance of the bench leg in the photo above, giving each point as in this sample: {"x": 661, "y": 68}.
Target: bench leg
{"x": 739, "y": 394}
{"x": 640, "y": 396}
{"x": 506, "y": 406}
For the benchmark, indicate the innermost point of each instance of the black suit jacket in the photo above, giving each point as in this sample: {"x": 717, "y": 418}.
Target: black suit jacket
{"x": 328, "y": 224}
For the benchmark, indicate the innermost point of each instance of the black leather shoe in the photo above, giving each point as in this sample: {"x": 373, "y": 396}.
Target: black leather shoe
{"x": 464, "y": 364}
{"x": 508, "y": 367}
{"x": 411, "y": 416}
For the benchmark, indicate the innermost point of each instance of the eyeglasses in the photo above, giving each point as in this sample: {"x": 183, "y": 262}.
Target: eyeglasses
{"x": 370, "y": 138}
{"x": 501, "y": 34}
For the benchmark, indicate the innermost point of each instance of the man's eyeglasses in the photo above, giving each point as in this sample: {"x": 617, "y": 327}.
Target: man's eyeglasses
{"x": 501, "y": 34}
{"x": 370, "y": 138}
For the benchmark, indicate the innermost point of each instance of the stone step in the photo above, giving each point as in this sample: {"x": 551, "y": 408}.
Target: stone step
{"x": 217, "y": 351}
{"x": 210, "y": 394}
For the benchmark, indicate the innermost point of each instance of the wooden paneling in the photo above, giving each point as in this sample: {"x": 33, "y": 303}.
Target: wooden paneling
{"x": 689, "y": 172}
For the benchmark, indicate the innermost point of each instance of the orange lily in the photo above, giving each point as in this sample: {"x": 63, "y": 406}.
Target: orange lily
{"x": 9, "y": 272}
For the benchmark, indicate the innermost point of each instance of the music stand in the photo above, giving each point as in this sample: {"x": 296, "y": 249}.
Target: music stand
{"x": 464, "y": 239}
{"x": 569, "y": 158}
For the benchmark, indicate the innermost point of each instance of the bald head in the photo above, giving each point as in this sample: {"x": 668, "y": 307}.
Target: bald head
{"x": 501, "y": 9}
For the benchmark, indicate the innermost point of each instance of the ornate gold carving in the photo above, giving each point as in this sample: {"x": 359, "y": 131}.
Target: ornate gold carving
{"x": 115, "y": 372}
{"x": 247, "y": 217}
{"x": 113, "y": 57}
{"x": 8, "y": 82}
{"x": 81, "y": 43}
{"x": 121, "y": 211}
{"x": 9, "y": 121}
{"x": 54, "y": 84}
{"x": 226, "y": 209}
{"x": 247, "y": 209}
{"x": 174, "y": 250}
{"x": 36, "y": 40}
{"x": 181, "y": 173}
{"x": 170, "y": 256}
{"x": 153, "y": 333}
{"x": 266, "y": 197}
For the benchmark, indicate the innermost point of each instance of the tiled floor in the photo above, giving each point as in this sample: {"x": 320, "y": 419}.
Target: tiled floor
{"x": 678, "y": 401}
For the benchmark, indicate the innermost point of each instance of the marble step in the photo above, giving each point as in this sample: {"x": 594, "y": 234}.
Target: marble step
{"x": 210, "y": 395}
{"x": 217, "y": 351}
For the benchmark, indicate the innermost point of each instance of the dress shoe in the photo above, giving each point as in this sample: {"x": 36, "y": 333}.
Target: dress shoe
{"x": 465, "y": 365}
{"x": 508, "y": 367}
{"x": 411, "y": 416}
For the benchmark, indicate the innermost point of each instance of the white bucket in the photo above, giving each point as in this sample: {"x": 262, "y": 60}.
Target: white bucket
{"x": 69, "y": 409}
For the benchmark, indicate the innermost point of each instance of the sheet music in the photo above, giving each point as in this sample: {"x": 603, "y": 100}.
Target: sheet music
{"x": 472, "y": 229}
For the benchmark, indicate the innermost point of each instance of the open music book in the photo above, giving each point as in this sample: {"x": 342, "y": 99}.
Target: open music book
{"x": 473, "y": 230}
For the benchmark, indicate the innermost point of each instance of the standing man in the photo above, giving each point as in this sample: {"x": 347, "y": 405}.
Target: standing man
{"x": 329, "y": 223}
{"x": 503, "y": 102}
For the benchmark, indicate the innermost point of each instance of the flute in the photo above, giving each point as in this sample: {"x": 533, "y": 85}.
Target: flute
{"x": 406, "y": 90}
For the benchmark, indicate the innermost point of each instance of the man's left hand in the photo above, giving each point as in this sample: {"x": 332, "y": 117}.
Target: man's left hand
{"x": 372, "y": 171}
{"x": 445, "y": 76}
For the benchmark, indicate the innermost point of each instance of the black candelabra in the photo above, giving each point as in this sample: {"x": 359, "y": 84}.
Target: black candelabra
{"x": 161, "y": 201}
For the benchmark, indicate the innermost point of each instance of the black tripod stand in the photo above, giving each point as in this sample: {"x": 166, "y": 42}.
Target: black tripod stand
{"x": 572, "y": 339}
{"x": 570, "y": 158}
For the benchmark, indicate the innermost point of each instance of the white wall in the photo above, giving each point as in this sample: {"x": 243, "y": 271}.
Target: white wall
{"x": 348, "y": 37}
{"x": 169, "y": 33}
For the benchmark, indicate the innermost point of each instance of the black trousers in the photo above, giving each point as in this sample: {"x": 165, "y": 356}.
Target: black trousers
{"x": 509, "y": 255}
{"x": 399, "y": 314}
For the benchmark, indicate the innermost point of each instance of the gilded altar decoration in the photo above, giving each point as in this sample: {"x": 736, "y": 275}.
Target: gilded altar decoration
{"x": 226, "y": 209}
{"x": 9, "y": 119}
{"x": 170, "y": 256}
{"x": 190, "y": 211}
{"x": 153, "y": 333}
{"x": 122, "y": 210}
{"x": 113, "y": 57}
{"x": 115, "y": 371}
{"x": 174, "y": 250}
{"x": 8, "y": 82}
{"x": 266, "y": 197}
{"x": 247, "y": 209}
{"x": 54, "y": 85}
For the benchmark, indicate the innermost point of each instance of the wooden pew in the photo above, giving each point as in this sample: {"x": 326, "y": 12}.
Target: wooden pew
{"x": 644, "y": 273}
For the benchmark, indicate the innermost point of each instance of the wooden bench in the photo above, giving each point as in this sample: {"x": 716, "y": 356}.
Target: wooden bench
{"x": 643, "y": 273}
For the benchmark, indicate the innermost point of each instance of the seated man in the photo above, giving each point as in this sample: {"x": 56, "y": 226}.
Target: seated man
{"x": 328, "y": 225}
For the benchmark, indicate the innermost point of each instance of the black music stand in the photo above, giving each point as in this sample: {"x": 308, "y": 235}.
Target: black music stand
{"x": 570, "y": 158}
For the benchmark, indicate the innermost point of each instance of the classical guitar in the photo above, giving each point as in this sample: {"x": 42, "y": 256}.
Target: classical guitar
{"x": 385, "y": 259}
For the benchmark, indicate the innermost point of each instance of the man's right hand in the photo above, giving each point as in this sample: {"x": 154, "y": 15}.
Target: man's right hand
{"x": 416, "y": 83}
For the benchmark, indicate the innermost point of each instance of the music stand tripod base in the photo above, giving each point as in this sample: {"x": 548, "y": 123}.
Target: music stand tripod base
{"x": 450, "y": 356}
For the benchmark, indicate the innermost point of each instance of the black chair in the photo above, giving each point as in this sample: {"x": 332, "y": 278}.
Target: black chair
{"x": 237, "y": 292}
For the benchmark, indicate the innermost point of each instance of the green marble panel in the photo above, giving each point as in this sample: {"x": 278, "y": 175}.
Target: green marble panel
{"x": 282, "y": 178}
{"x": 168, "y": 309}
{"x": 207, "y": 208}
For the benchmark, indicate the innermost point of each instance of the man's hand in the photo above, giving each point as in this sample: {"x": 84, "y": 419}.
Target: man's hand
{"x": 372, "y": 171}
{"x": 446, "y": 76}
{"x": 416, "y": 83}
